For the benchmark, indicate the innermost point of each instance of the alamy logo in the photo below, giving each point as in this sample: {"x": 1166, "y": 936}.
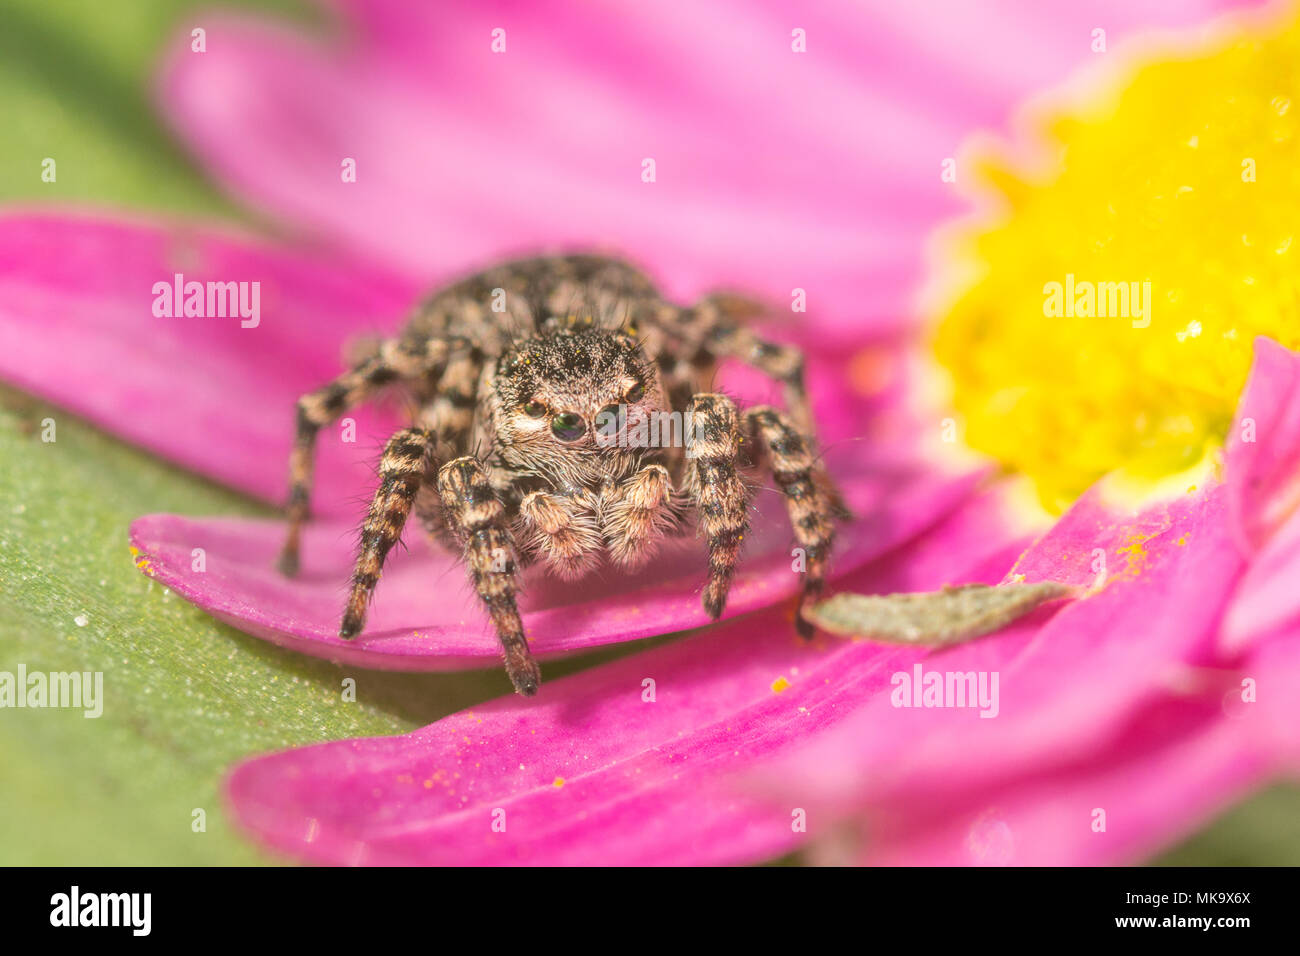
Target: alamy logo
{"x": 214, "y": 300}
{"x": 102, "y": 909}
{"x": 628, "y": 428}
{"x": 1098, "y": 299}
{"x": 946, "y": 689}
{"x": 78, "y": 689}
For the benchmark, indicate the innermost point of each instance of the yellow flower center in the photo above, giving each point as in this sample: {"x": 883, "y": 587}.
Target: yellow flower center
{"x": 1111, "y": 318}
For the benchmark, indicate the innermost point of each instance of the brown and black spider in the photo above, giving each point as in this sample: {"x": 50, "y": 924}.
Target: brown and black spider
{"x": 534, "y": 383}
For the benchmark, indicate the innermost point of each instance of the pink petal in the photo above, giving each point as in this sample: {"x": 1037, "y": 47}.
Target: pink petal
{"x": 589, "y": 772}
{"x": 77, "y": 328}
{"x": 426, "y": 617}
{"x": 463, "y": 155}
{"x": 1176, "y": 765}
{"x": 1265, "y": 601}
{"x": 1262, "y": 461}
{"x": 1273, "y": 672}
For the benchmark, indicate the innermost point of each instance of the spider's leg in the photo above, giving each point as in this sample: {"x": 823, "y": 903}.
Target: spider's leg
{"x": 393, "y": 362}
{"x": 562, "y": 529}
{"x": 788, "y": 454}
{"x": 450, "y": 413}
{"x": 476, "y": 515}
{"x": 682, "y": 380}
{"x": 403, "y": 469}
{"x": 717, "y": 324}
{"x": 636, "y": 514}
{"x": 720, "y": 495}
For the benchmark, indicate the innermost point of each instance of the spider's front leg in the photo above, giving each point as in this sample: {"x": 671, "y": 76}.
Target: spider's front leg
{"x": 713, "y": 448}
{"x": 478, "y": 519}
{"x": 801, "y": 479}
{"x": 403, "y": 469}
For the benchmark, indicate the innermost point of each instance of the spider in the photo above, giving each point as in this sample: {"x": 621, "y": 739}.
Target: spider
{"x": 534, "y": 382}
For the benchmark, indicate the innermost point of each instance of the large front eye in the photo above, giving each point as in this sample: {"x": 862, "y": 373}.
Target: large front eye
{"x": 635, "y": 394}
{"x": 568, "y": 426}
{"x": 534, "y": 409}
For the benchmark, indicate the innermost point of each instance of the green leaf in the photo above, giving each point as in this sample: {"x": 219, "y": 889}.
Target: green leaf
{"x": 75, "y": 86}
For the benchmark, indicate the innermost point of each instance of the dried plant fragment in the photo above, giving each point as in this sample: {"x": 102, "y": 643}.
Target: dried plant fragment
{"x": 934, "y": 618}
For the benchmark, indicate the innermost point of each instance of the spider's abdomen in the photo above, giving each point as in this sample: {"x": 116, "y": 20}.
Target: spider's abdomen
{"x": 495, "y": 308}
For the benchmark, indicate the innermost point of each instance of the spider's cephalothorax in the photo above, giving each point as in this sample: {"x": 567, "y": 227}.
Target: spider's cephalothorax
{"x": 562, "y": 417}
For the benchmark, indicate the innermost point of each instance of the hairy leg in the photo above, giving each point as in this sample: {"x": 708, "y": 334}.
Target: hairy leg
{"x": 789, "y": 456}
{"x": 392, "y": 362}
{"x": 450, "y": 411}
{"x": 719, "y": 493}
{"x": 717, "y": 324}
{"x": 403, "y": 469}
{"x": 476, "y": 516}
{"x": 471, "y": 513}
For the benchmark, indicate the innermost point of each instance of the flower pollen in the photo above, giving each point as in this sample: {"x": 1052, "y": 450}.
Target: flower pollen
{"x": 1112, "y": 318}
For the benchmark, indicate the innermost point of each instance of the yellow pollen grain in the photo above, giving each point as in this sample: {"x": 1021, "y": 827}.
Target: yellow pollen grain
{"x": 1183, "y": 176}
{"x": 559, "y": 781}
{"x": 1135, "y": 553}
{"x": 779, "y": 685}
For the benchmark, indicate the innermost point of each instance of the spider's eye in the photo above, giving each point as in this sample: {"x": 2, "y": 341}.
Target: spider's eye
{"x": 635, "y": 394}
{"x": 534, "y": 409}
{"x": 568, "y": 426}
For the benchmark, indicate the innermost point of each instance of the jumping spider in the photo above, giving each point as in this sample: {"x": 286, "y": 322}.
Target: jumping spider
{"x": 522, "y": 375}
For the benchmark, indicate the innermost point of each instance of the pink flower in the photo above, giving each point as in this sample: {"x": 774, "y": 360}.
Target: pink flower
{"x": 463, "y": 156}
